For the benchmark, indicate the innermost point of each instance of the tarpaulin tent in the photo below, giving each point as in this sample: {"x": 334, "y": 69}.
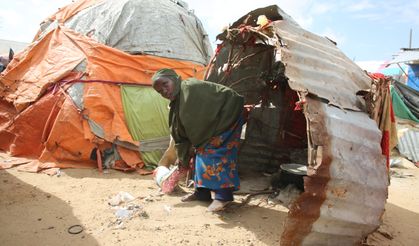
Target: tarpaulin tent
{"x": 70, "y": 98}
{"x": 413, "y": 76}
{"x": 405, "y": 101}
{"x": 163, "y": 28}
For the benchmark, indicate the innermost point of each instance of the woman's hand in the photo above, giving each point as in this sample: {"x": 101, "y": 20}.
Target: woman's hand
{"x": 178, "y": 162}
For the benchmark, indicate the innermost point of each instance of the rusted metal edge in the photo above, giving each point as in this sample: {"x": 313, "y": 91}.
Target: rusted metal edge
{"x": 306, "y": 209}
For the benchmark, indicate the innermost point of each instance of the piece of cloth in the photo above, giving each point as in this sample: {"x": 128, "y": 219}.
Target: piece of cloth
{"x": 387, "y": 125}
{"x": 400, "y": 108}
{"x": 172, "y": 75}
{"x": 381, "y": 110}
{"x": 146, "y": 115}
{"x": 200, "y": 111}
{"x": 165, "y": 72}
{"x": 169, "y": 184}
{"x": 225, "y": 195}
{"x": 216, "y": 162}
{"x": 409, "y": 96}
{"x": 204, "y": 194}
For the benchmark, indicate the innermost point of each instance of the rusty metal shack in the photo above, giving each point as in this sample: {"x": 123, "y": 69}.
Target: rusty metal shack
{"x": 303, "y": 89}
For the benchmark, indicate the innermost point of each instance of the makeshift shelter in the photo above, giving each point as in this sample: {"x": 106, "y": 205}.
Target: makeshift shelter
{"x": 306, "y": 110}
{"x": 80, "y": 94}
{"x": 408, "y": 62}
{"x": 406, "y": 107}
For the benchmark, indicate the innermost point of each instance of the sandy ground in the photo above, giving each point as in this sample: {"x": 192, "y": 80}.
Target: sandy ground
{"x": 37, "y": 209}
{"x": 401, "y": 218}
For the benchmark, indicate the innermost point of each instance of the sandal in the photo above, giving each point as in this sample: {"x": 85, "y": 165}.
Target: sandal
{"x": 217, "y": 206}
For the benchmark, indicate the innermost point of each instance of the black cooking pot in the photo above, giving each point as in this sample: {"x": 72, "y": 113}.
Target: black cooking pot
{"x": 292, "y": 174}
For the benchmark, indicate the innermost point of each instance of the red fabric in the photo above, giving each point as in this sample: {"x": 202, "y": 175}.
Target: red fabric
{"x": 168, "y": 185}
{"x": 385, "y": 141}
{"x": 385, "y": 146}
{"x": 377, "y": 75}
{"x": 218, "y": 49}
{"x": 295, "y": 125}
{"x": 386, "y": 120}
{"x": 299, "y": 105}
{"x": 246, "y": 111}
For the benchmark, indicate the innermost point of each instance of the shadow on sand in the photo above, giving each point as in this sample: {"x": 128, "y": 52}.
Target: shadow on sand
{"x": 399, "y": 227}
{"x": 29, "y": 216}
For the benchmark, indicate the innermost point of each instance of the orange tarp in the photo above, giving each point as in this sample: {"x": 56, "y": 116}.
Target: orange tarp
{"x": 103, "y": 105}
{"x": 66, "y": 140}
{"x": 58, "y": 134}
{"x": 30, "y": 74}
{"x": 130, "y": 157}
{"x": 60, "y": 51}
{"x": 109, "y": 64}
{"x": 7, "y": 113}
{"x": 28, "y": 128}
{"x": 67, "y": 146}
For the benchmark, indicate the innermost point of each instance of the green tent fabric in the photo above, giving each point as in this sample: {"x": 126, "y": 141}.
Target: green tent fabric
{"x": 400, "y": 109}
{"x": 146, "y": 113}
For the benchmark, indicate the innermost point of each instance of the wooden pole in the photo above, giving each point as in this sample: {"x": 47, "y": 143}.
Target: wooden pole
{"x": 410, "y": 38}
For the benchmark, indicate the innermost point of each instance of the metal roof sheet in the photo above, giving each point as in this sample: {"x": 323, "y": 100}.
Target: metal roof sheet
{"x": 408, "y": 142}
{"x": 315, "y": 64}
{"x": 406, "y": 56}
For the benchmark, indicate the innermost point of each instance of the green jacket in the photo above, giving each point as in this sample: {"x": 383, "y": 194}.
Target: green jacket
{"x": 200, "y": 111}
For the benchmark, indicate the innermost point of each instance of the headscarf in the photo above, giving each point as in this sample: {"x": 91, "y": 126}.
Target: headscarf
{"x": 170, "y": 74}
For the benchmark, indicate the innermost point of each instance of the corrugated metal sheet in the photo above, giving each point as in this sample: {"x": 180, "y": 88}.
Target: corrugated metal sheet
{"x": 269, "y": 143}
{"x": 346, "y": 187}
{"x": 357, "y": 190}
{"x": 315, "y": 64}
{"x": 259, "y": 148}
{"x": 408, "y": 144}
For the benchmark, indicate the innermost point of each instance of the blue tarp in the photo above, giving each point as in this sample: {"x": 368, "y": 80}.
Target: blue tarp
{"x": 413, "y": 73}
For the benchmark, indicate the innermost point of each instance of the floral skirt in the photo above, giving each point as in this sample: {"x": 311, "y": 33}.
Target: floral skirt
{"x": 216, "y": 163}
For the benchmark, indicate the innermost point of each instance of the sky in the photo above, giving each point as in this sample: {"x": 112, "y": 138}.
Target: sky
{"x": 366, "y": 31}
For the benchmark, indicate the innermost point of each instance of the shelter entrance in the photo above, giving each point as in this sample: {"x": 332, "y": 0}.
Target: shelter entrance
{"x": 273, "y": 153}
{"x": 276, "y": 131}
